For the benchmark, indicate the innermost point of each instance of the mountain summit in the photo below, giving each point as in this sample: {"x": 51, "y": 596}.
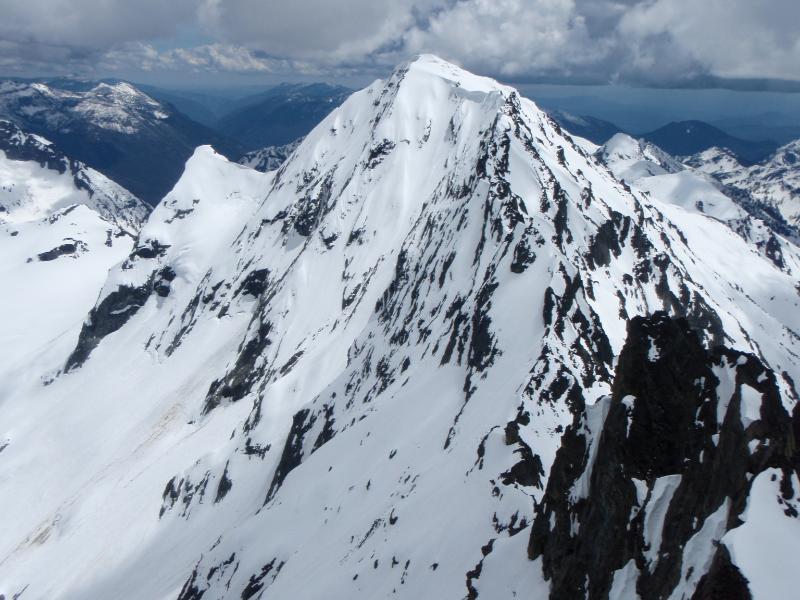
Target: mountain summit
{"x": 775, "y": 182}
{"x": 421, "y": 359}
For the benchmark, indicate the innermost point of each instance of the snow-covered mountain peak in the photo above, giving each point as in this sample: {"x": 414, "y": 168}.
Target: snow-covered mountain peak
{"x": 773, "y": 184}
{"x": 421, "y": 82}
{"x": 634, "y": 159}
{"x": 37, "y": 179}
{"x": 694, "y": 187}
{"x": 203, "y": 162}
{"x": 63, "y": 225}
{"x": 787, "y": 156}
{"x": 116, "y": 107}
{"x": 208, "y": 178}
{"x": 209, "y": 174}
{"x": 431, "y": 65}
{"x": 119, "y": 107}
{"x": 305, "y": 371}
{"x": 714, "y": 161}
{"x": 121, "y": 91}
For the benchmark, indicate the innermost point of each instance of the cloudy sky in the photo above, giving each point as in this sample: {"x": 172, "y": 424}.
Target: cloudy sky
{"x": 649, "y": 42}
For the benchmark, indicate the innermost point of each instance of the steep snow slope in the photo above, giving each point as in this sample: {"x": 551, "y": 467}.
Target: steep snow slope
{"x": 350, "y": 377}
{"x": 62, "y": 227}
{"x": 775, "y": 181}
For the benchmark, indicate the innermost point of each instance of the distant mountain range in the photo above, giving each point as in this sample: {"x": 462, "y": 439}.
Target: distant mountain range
{"x": 281, "y": 115}
{"x": 205, "y": 108}
{"x": 767, "y": 126}
{"x": 136, "y": 140}
{"x": 774, "y": 182}
{"x": 269, "y": 158}
{"x": 684, "y": 138}
{"x": 273, "y": 117}
{"x": 679, "y": 138}
{"x": 593, "y": 129}
{"x": 141, "y": 136}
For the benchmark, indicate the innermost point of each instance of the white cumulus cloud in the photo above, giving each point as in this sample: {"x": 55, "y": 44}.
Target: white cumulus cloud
{"x": 654, "y": 41}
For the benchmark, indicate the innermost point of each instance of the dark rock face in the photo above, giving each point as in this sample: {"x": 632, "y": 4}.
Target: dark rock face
{"x": 605, "y": 242}
{"x": 670, "y": 417}
{"x": 18, "y": 146}
{"x": 523, "y": 256}
{"x": 165, "y": 276}
{"x": 149, "y": 249}
{"x": 378, "y": 153}
{"x": 106, "y": 318}
{"x": 69, "y": 247}
{"x": 292, "y": 454}
{"x": 314, "y": 207}
{"x": 293, "y": 450}
{"x": 723, "y": 581}
{"x": 256, "y": 582}
{"x": 255, "y": 283}
{"x": 241, "y": 378}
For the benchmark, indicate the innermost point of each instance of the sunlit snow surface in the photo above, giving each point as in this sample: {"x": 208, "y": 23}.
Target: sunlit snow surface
{"x": 381, "y": 275}
{"x": 62, "y": 227}
{"x": 649, "y": 169}
{"x": 775, "y": 181}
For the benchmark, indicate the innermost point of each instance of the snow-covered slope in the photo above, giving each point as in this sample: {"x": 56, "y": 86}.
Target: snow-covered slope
{"x": 651, "y": 170}
{"x": 714, "y": 161}
{"x": 269, "y": 158}
{"x": 37, "y": 179}
{"x": 350, "y": 377}
{"x": 774, "y": 182}
{"x": 632, "y": 160}
{"x": 62, "y": 227}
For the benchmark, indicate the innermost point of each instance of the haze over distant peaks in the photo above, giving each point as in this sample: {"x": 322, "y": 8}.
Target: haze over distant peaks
{"x": 114, "y": 128}
{"x": 690, "y": 137}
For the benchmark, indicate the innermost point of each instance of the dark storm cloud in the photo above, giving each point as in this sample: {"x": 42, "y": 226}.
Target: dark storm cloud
{"x": 648, "y": 41}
